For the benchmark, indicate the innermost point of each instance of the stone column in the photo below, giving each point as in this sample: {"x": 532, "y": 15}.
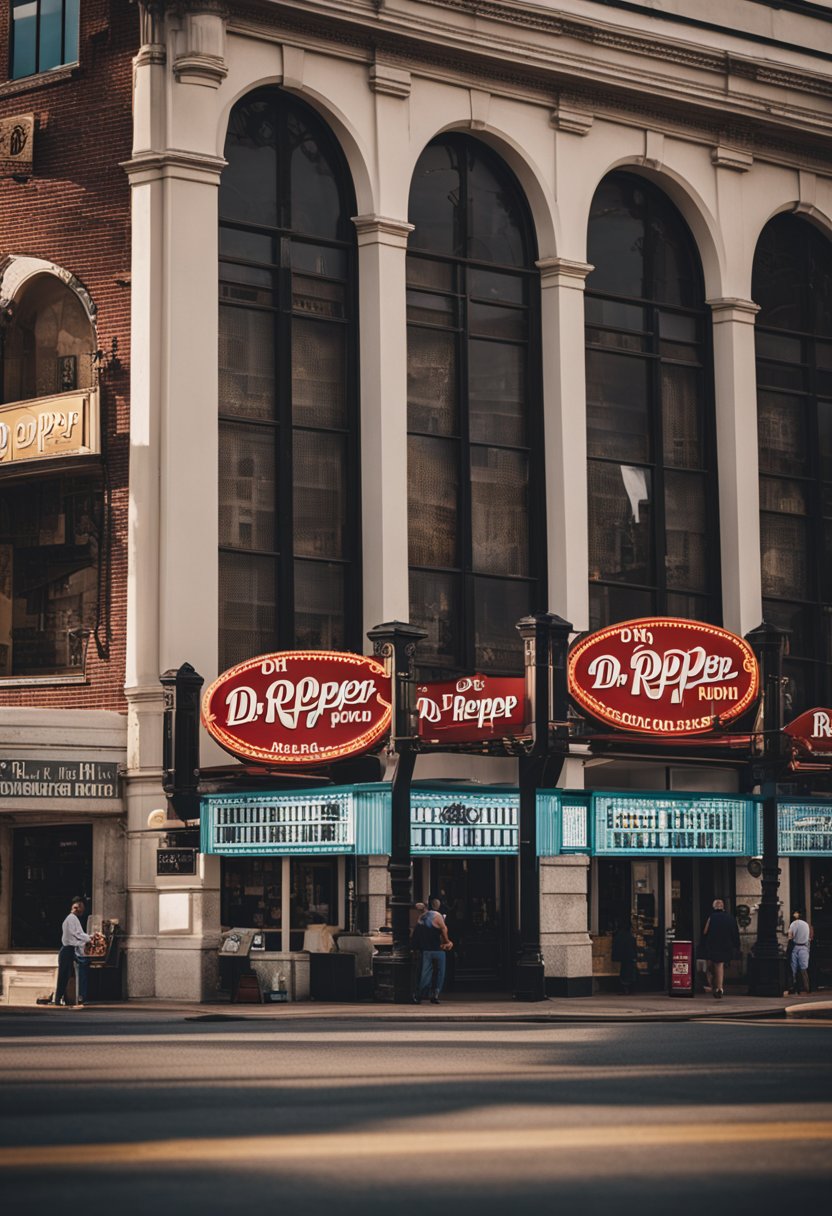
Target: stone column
{"x": 173, "y": 514}
{"x": 564, "y": 405}
{"x": 382, "y": 248}
{"x": 735, "y": 392}
{"x": 564, "y": 935}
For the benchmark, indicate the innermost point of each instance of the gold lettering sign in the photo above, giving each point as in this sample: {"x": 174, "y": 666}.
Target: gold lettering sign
{"x": 17, "y": 135}
{"x": 65, "y": 425}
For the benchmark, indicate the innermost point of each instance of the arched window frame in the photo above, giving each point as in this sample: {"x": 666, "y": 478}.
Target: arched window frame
{"x": 269, "y": 286}
{"x": 457, "y": 298}
{"x": 794, "y": 365}
{"x": 613, "y": 599}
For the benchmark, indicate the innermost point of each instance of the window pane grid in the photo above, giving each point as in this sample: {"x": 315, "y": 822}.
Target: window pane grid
{"x": 287, "y": 269}
{"x": 468, "y": 391}
{"x": 652, "y": 533}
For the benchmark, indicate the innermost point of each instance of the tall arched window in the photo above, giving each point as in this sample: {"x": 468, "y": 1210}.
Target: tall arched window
{"x": 653, "y": 523}
{"x": 288, "y": 470}
{"x": 475, "y": 475}
{"x": 792, "y": 283}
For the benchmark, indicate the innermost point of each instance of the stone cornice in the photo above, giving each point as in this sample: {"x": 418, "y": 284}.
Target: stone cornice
{"x": 382, "y": 230}
{"x": 150, "y": 166}
{"x": 563, "y": 272}
{"x": 564, "y": 52}
{"x": 733, "y": 310}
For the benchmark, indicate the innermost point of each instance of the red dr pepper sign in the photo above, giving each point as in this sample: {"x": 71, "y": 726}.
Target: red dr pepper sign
{"x": 472, "y": 709}
{"x": 663, "y": 676}
{"x": 299, "y": 707}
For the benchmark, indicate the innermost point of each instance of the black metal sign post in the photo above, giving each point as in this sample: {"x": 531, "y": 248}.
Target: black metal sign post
{"x": 545, "y": 642}
{"x": 766, "y": 966}
{"x": 395, "y": 644}
{"x": 180, "y": 741}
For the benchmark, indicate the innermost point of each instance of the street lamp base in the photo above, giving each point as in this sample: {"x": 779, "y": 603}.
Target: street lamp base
{"x": 529, "y": 981}
{"x": 767, "y": 976}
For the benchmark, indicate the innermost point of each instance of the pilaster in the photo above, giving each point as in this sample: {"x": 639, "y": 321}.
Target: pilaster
{"x": 562, "y": 284}
{"x": 382, "y": 249}
{"x": 735, "y": 393}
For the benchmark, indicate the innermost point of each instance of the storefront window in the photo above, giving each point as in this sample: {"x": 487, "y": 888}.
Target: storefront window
{"x": 314, "y": 897}
{"x": 252, "y": 893}
{"x": 475, "y": 474}
{"x": 50, "y": 866}
{"x": 792, "y": 283}
{"x": 653, "y": 528}
{"x": 50, "y": 535}
{"x": 289, "y": 462}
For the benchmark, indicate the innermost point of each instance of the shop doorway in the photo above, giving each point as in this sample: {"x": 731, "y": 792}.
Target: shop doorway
{"x": 820, "y": 955}
{"x": 49, "y": 866}
{"x": 479, "y": 897}
{"x": 695, "y": 884}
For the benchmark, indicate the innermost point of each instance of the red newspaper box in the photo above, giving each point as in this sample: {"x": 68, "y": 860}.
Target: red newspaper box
{"x": 682, "y": 969}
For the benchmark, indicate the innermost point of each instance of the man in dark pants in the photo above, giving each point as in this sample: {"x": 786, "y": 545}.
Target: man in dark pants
{"x": 721, "y": 936}
{"x": 73, "y": 938}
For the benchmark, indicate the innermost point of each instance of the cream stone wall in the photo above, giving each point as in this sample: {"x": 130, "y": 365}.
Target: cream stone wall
{"x": 734, "y": 131}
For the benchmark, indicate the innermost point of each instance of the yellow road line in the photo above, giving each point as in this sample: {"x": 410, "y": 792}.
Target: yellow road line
{"x": 424, "y": 1145}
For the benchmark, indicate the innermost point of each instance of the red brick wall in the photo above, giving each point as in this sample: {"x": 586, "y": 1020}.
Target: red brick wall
{"x": 75, "y": 211}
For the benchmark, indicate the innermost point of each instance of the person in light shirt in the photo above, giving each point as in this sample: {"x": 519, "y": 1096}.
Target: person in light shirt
{"x": 800, "y": 934}
{"x": 73, "y": 940}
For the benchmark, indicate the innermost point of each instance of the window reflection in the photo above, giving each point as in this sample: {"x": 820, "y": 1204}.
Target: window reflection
{"x": 792, "y": 283}
{"x": 288, "y": 475}
{"x": 651, "y": 477}
{"x": 474, "y": 456}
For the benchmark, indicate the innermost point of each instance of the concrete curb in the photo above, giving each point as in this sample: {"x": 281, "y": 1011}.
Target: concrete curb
{"x": 812, "y": 1009}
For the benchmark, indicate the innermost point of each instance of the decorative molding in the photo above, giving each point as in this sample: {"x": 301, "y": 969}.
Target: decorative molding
{"x": 566, "y": 117}
{"x": 192, "y": 166}
{"x": 733, "y": 310}
{"x": 389, "y": 81}
{"x": 563, "y": 272}
{"x": 151, "y": 55}
{"x": 294, "y": 62}
{"x": 653, "y": 157}
{"x": 480, "y": 103}
{"x": 207, "y": 70}
{"x": 807, "y": 194}
{"x": 382, "y": 230}
{"x": 725, "y": 156}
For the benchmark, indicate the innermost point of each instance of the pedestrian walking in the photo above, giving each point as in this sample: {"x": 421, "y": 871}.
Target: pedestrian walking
{"x": 430, "y": 938}
{"x": 71, "y": 953}
{"x": 721, "y": 938}
{"x": 800, "y": 936}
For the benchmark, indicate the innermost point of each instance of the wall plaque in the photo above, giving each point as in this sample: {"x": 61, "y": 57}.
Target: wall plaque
{"x": 17, "y": 137}
{"x": 175, "y": 861}
{"x": 58, "y": 779}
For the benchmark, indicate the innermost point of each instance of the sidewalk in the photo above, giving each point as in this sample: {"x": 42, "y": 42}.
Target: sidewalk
{"x": 456, "y": 1008}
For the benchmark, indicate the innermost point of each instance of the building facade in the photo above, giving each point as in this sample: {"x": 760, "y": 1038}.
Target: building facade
{"x": 447, "y": 312}
{"x": 65, "y": 96}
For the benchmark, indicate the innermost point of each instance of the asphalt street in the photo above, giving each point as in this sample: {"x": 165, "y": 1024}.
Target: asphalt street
{"x": 122, "y": 1113}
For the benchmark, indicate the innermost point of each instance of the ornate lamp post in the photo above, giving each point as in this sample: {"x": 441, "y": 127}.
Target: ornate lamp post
{"x": 395, "y": 644}
{"x": 545, "y": 642}
{"x": 766, "y": 967}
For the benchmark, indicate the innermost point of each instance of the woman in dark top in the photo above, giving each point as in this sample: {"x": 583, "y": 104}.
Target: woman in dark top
{"x": 722, "y": 940}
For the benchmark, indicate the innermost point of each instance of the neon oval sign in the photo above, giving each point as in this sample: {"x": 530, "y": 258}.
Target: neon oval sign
{"x": 663, "y": 676}
{"x": 299, "y": 707}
